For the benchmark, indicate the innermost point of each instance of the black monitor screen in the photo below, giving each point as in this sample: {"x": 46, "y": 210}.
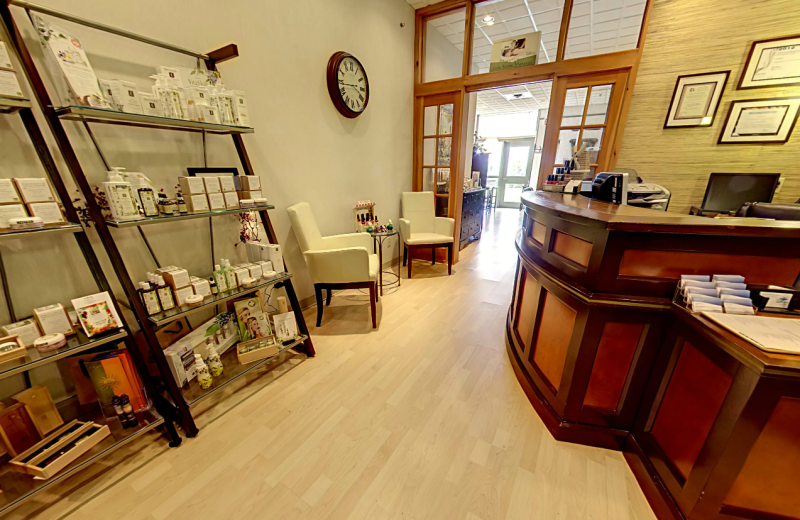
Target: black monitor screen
{"x": 728, "y": 191}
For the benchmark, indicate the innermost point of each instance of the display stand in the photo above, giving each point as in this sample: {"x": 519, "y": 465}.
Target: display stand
{"x": 182, "y": 398}
{"x": 17, "y": 487}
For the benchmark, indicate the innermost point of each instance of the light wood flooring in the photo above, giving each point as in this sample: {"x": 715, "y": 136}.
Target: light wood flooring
{"x": 420, "y": 419}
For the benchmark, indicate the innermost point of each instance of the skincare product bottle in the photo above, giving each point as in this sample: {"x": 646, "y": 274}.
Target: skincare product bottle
{"x": 164, "y": 291}
{"x": 116, "y": 402}
{"x": 213, "y": 285}
{"x": 182, "y": 204}
{"x": 218, "y": 336}
{"x": 163, "y": 204}
{"x": 120, "y": 196}
{"x": 214, "y": 363}
{"x": 203, "y": 375}
{"x": 130, "y": 417}
{"x": 230, "y": 275}
{"x": 147, "y": 200}
{"x": 150, "y": 298}
{"x": 220, "y": 278}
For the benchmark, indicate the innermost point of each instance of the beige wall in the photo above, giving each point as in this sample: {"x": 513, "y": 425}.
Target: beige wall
{"x": 687, "y": 37}
{"x": 302, "y": 149}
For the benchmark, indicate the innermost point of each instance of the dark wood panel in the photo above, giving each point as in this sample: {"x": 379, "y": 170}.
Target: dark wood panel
{"x": 770, "y": 477}
{"x": 556, "y": 322}
{"x": 618, "y": 343}
{"x": 538, "y": 232}
{"x": 690, "y": 405}
{"x": 572, "y": 248}
{"x": 670, "y": 265}
{"x": 526, "y": 311}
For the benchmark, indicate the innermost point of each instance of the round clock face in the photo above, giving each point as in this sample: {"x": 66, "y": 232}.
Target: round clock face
{"x": 347, "y": 84}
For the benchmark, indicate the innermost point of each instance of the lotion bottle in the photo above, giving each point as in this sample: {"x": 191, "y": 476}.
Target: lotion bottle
{"x": 220, "y": 278}
{"x": 150, "y": 299}
{"x": 203, "y": 375}
{"x": 164, "y": 293}
{"x": 230, "y": 275}
{"x": 214, "y": 363}
{"x": 120, "y": 196}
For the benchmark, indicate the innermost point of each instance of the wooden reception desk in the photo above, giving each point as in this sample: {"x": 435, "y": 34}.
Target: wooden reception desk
{"x": 709, "y": 424}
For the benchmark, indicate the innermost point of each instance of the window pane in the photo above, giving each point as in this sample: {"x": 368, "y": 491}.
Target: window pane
{"x": 427, "y": 179}
{"x": 518, "y": 161}
{"x": 513, "y": 193}
{"x": 429, "y": 121}
{"x": 602, "y": 26}
{"x": 429, "y": 152}
{"x": 444, "y": 151}
{"x": 574, "y": 103}
{"x": 593, "y": 139}
{"x": 511, "y": 19}
{"x": 598, "y": 105}
{"x": 443, "y": 180}
{"x": 566, "y": 140}
{"x": 446, "y": 119}
{"x": 444, "y": 46}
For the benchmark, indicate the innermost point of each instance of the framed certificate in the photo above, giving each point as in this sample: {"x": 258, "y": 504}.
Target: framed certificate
{"x": 760, "y": 121}
{"x": 772, "y": 63}
{"x": 695, "y": 99}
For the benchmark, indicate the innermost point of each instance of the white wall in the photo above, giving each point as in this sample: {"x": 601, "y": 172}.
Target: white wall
{"x": 302, "y": 149}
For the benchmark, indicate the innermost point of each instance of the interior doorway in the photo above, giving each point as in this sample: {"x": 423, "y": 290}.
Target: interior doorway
{"x": 515, "y": 171}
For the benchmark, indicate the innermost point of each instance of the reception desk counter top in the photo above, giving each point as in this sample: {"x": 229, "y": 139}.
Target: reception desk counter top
{"x": 608, "y": 360}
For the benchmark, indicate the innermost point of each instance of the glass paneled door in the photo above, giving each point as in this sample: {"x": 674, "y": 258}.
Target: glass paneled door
{"x": 437, "y": 152}
{"x": 515, "y": 171}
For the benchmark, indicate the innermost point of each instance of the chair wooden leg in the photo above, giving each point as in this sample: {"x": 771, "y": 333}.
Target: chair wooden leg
{"x": 433, "y": 256}
{"x": 409, "y": 266}
{"x": 405, "y": 255}
{"x": 450, "y": 258}
{"x": 372, "y": 304}
{"x": 377, "y": 291}
{"x": 328, "y": 300}
{"x": 318, "y": 292}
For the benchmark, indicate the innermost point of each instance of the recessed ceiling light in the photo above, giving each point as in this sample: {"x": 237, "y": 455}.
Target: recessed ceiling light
{"x": 488, "y": 19}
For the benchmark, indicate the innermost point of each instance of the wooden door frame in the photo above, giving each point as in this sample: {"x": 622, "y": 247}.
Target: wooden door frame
{"x": 626, "y": 62}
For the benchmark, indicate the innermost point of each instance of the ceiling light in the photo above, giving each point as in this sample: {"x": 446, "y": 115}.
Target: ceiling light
{"x": 488, "y": 19}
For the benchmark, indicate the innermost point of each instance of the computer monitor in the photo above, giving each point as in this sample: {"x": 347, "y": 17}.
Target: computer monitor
{"x": 727, "y": 192}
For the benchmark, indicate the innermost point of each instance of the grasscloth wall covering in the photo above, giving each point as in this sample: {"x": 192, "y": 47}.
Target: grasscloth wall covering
{"x": 687, "y": 37}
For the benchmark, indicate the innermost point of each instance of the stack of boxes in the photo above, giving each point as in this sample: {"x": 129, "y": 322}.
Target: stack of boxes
{"x": 263, "y": 254}
{"x": 21, "y": 198}
{"x": 219, "y": 193}
{"x": 9, "y": 86}
{"x": 179, "y": 280}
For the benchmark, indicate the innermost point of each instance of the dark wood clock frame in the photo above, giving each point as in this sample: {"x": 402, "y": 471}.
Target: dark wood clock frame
{"x": 333, "y": 85}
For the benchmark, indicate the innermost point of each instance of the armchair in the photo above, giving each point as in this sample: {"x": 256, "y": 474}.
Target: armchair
{"x": 422, "y": 229}
{"x": 335, "y": 262}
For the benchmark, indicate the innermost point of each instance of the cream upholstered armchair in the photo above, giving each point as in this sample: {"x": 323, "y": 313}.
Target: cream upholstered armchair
{"x": 422, "y": 229}
{"x": 335, "y": 262}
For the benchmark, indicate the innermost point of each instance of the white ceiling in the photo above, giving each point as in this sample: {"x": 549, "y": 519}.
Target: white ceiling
{"x": 596, "y": 26}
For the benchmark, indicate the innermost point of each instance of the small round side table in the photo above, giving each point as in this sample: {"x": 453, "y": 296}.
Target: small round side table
{"x": 377, "y": 243}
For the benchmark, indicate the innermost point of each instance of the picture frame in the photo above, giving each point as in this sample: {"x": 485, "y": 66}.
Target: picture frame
{"x": 695, "y": 99}
{"x": 772, "y": 63}
{"x": 760, "y": 121}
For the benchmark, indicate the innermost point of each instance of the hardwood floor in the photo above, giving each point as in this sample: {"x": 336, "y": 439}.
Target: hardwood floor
{"x": 420, "y": 419}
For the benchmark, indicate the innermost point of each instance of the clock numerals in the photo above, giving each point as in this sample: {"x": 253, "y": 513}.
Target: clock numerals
{"x": 343, "y": 91}
{"x": 362, "y": 89}
{"x": 360, "y": 79}
{"x": 361, "y": 98}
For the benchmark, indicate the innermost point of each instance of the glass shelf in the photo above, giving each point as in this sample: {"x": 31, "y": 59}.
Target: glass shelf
{"x": 10, "y": 105}
{"x": 47, "y": 229}
{"x": 163, "y": 318}
{"x": 18, "y": 487}
{"x": 184, "y": 216}
{"x": 75, "y": 344}
{"x": 113, "y": 117}
{"x": 233, "y": 370}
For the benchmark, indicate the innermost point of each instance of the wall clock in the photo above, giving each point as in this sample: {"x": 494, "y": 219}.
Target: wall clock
{"x": 347, "y": 84}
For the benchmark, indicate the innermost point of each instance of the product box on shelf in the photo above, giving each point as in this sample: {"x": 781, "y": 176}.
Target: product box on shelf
{"x": 5, "y": 58}
{"x": 49, "y": 212}
{"x": 195, "y": 341}
{"x": 247, "y": 182}
{"x": 176, "y": 278}
{"x": 240, "y": 108}
{"x": 53, "y": 453}
{"x": 26, "y": 330}
{"x": 11, "y": 348}
{"x": 182, "y": 293}
{"x": 125, "y": 95}
{"x": 249, "y": 195}
{"x": 207, "y": 114}
{"x": 227, "y": 183}
{"x": 197, "y": 203}
{"x": 231, "y": 200}
{"x": 201, "y": 287}
{"x": 180, "y": 358}
{"x": 216, "y": 201}
{"x": 191, "y": 185}
{"x": 34, "y": 190}
{"x": 275, "y": 253}
{"x": 212, "y": 184}
{"x": 53, "y": 319}
{"x": 9, "y": 211}
{"x": 8, "y": 192}
{"x": 256, "y": 349}
{"x": 9, "y": 85}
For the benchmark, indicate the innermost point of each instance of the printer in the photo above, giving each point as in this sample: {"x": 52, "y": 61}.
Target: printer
{"x": 616, "y": 187}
